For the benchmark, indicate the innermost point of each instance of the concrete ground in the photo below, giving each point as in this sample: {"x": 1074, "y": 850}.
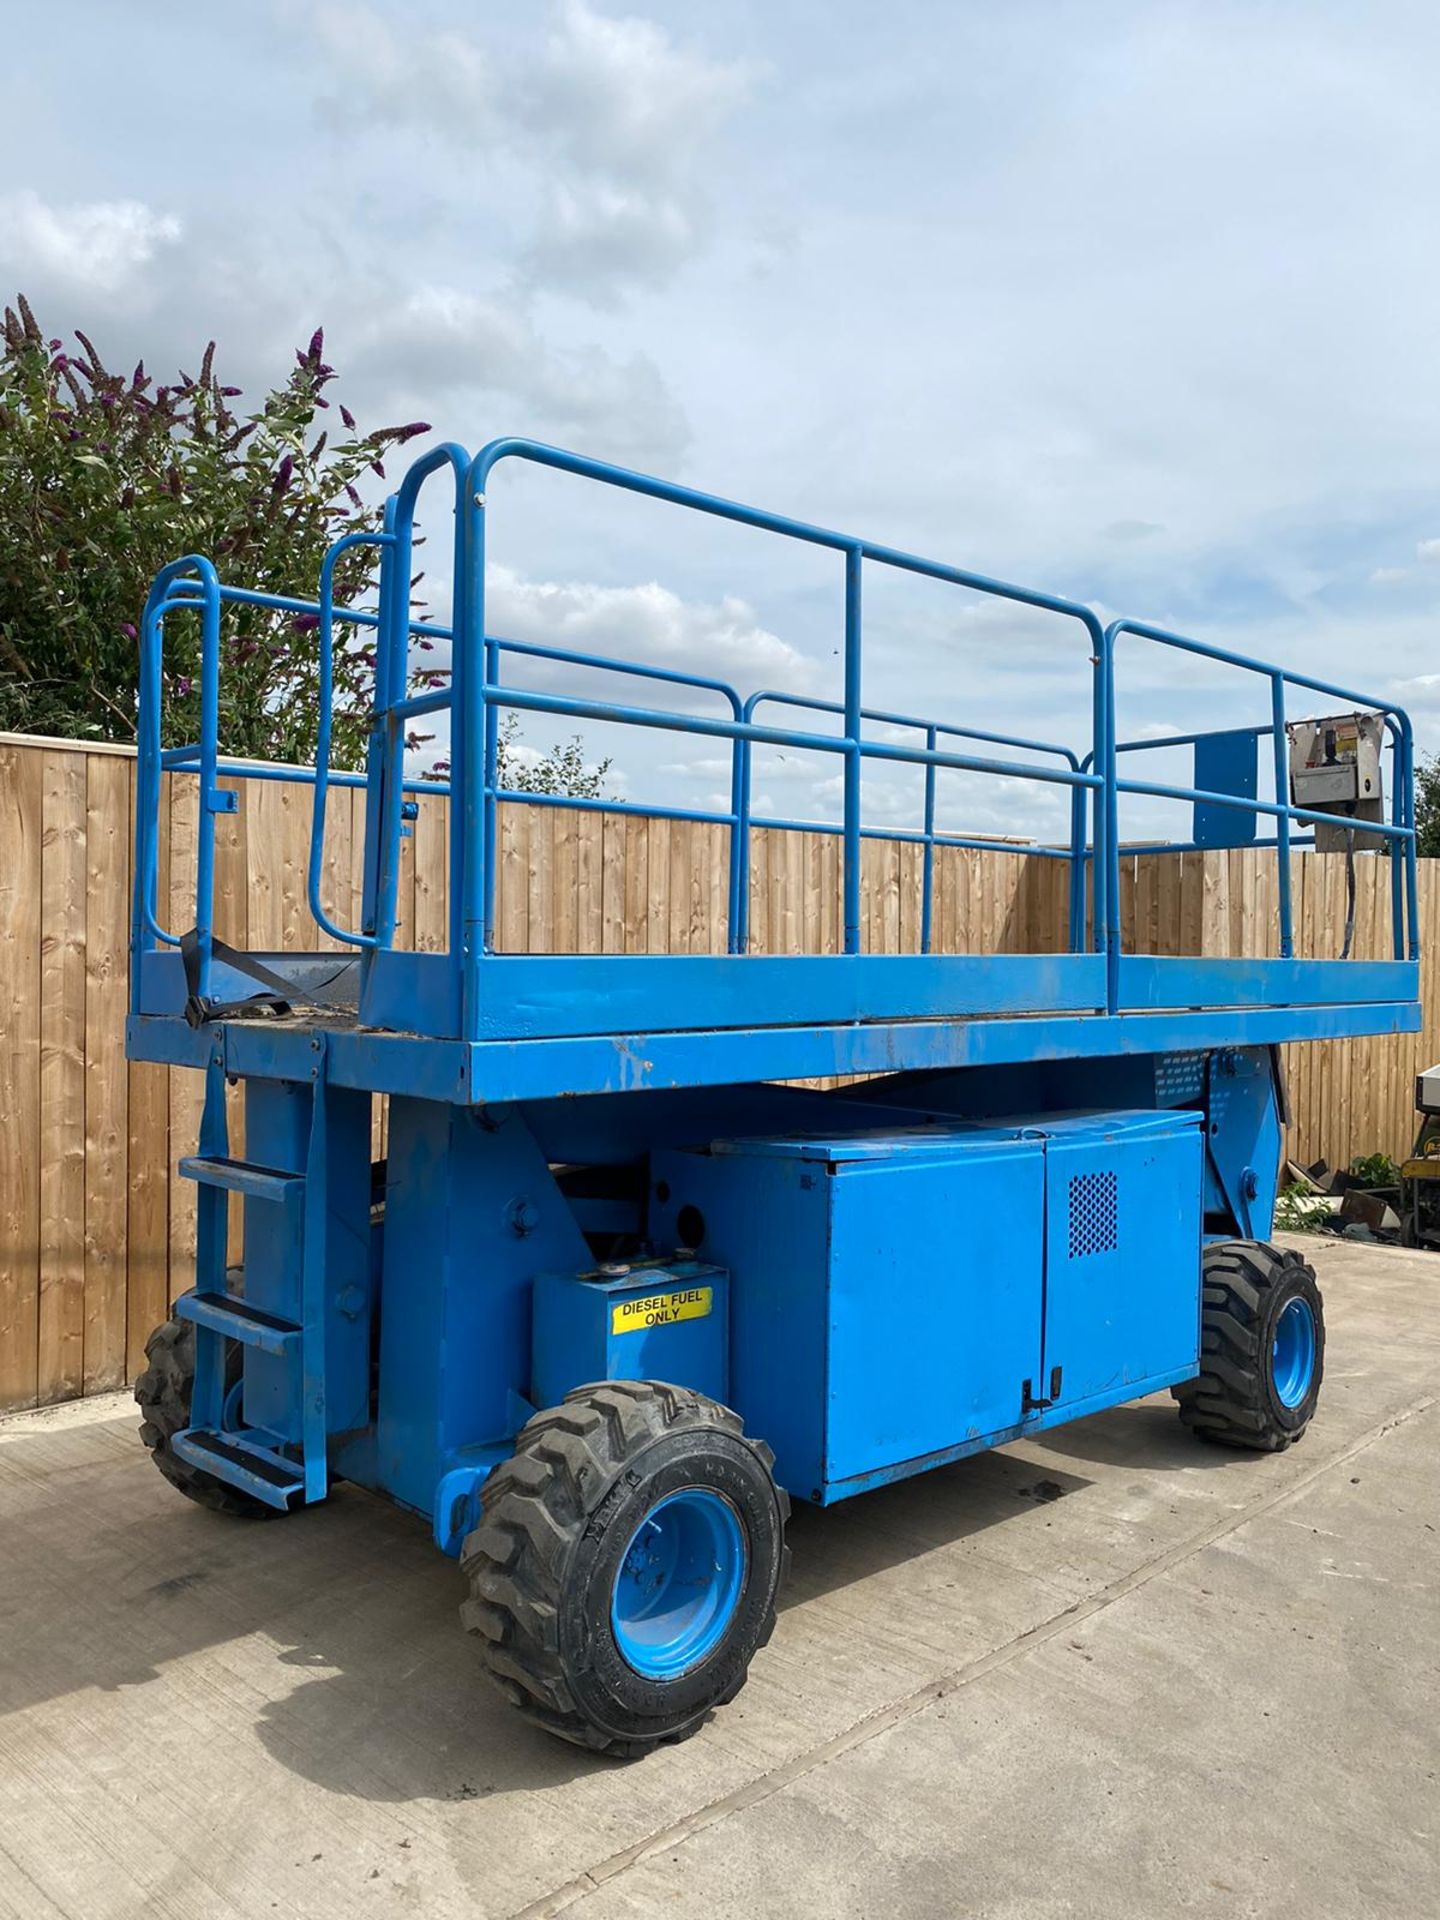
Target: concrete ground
{"x": 1112, "y": 1673}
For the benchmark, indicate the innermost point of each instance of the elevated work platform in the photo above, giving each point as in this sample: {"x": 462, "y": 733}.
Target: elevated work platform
{"x": 472, "y": 1023}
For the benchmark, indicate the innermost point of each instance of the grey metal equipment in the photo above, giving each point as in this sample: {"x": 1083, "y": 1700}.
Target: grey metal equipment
{"x": 1420, "y": 1175}
{"x": 1335, "y": 768}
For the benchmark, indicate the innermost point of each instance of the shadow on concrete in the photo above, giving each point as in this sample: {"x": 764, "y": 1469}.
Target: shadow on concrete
{"x": 108, "y": 1576}
{"x": 1146, "y": 1434}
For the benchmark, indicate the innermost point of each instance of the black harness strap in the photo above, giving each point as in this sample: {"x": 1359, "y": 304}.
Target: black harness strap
{"x": 199, "y": 1011}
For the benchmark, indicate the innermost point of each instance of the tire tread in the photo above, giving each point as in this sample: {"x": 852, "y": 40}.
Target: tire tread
{"x": 531, "y": 1508}
{"x": 1228, "y": 1402}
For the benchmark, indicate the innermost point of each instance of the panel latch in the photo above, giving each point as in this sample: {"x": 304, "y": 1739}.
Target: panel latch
{"x": 1028, "y": 1401}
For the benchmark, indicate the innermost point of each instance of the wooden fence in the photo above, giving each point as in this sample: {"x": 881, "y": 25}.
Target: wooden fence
{"x": 96, "y": 1236}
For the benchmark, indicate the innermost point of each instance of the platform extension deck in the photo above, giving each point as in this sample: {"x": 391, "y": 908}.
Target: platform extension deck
{"x": 516, "y": 1067}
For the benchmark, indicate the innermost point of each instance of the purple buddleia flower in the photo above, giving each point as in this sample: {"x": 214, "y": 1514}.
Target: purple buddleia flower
{"x": 283, "y": 474}
{"x": 305, "y": 622}
{"x": 377, "y": 467}
{"x": 127, "y": 630}
{"x": 317, "y": 344}
{"x": 56, "y": 345}
{"x": 60, "y": 363}
{"x": 355, "y": 499}
{"x": 231, "y": 393}
{"x": 183, "y": 685}
{"x": 347, "y": 416}
{"x": 408, "y": 433}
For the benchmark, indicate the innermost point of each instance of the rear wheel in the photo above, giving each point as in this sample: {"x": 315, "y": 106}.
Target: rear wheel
{"x": 1262, "y": 1348}
{"x": 626, "y": 1563}
{"x": 163, "y": 1393}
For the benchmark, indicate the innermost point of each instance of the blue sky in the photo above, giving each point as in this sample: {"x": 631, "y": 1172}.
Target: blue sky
{"x": 1136, "y": 302}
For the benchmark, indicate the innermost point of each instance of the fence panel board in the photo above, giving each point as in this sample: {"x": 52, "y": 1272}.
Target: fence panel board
{"x": 21, "y": 797}
{"x": 61, "y": 1363}
{"x": 96, "y": 1235}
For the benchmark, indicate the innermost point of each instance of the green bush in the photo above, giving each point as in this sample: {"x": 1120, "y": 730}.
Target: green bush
{"x": 104, "y": 477}
{"x": 1375, "y": 1170}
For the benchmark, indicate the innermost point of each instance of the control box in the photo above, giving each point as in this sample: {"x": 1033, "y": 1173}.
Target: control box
{"x": 1335, "y": 768}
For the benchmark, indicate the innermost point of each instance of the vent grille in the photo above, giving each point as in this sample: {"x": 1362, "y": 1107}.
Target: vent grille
{"x": 1180, "y": 1077}
{"x": 1094, "y": 1214}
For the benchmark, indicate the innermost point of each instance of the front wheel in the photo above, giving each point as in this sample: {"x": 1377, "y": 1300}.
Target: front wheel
{"x": 626, "y": 1563}
{"x": 1262, "y": 1348}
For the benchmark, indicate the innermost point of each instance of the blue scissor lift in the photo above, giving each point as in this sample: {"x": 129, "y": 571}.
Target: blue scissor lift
{"x": 616, "y": 1293}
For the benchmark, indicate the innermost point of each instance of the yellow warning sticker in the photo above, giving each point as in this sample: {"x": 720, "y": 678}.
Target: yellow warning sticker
{"x": 661, "y": 1309}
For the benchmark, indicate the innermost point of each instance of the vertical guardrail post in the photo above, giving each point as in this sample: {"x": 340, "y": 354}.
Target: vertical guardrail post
{"x": 738, "y": 919}
{"x": 1281, "y": 754}
{"x": 491, "y": 781}
{"x": 927, "y": 885}
{"x": 1107, "y": 815}
{"x": 210, "y": 799}
{"x": 1405, "y": 797}
{"x": 1393, "y": 848}
{"x": 1100, "y": 764}
{"x": 324, "y": 727}
{"x": 854, "y": 562}
{"x": 471, "y": 875}
{"x": 392, "y": 672}
{"x": 1078, "y": 870}
{"x": 375, "y": 753}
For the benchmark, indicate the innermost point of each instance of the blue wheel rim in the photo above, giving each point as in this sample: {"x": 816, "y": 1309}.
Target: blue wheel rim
{"x": 1292, "y": 1357}
{"x": 679, "y": 1584}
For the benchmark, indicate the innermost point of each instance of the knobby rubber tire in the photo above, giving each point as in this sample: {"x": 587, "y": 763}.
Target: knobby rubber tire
{"x": 555, "y": 1522}
{"x": 1246, "y": 1285}
{"x": 163, "y": 1394}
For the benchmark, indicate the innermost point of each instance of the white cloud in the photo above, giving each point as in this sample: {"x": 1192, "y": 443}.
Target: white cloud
{"x": 407, "y": 77}
{"x": 1389, "y": 576}
{"x": 623, "y": 98}
{"x": 1427, "y": 550}
{"x": 645, "y": 625}
{"x": 608, "y": 120}
{"x": 440, "y": 342}
{"x": 628, "y": 114}
{"x": 648, "y": 624}
{"x": 1423, "y": 692}
{"x": 906, "y": 368}
{"x": 597, "y": 236}
{"x": 95, "y": 246}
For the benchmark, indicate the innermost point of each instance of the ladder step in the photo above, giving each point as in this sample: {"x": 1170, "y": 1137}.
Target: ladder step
{"x": 240, "y": 1463}
{"x": 243, "y": 1176}
{"x": 237, "y": 1320}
